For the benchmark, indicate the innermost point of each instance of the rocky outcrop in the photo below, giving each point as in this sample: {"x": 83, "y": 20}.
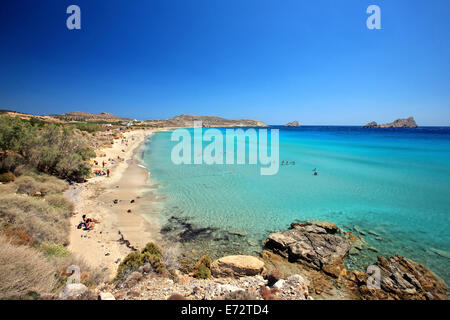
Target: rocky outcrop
{"x": 399, "y": 123}
{"x": 292, "y": 124}
{"x": 330, "y": 227}
{"x": 312, "y": 244}
{"x": 237, "y": 266}
{"x": 399, "y": 279}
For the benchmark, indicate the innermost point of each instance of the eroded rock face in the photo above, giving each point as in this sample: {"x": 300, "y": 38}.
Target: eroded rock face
{"x": 237, "y": 266}
{"x": 292, "y": 124}
{"x": 312, "y": 244}
{"x": 399, "y": 123}
{"x": 400, "y": 279}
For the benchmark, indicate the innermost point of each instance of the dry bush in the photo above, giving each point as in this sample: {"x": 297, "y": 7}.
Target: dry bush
{"x": 24, "y": 270}
{"x": 41, "y": 221}
{"x": 7, "y": 177}
{"x": 27, "y": 185}
{"x": 60, "y": 202}
{"x": 8, "y": 188}
{"x": 16, "y": 236}
{"x": 170, "y": 257}
{"x": 90, "y": 276}
{"x": 44, "y": 184}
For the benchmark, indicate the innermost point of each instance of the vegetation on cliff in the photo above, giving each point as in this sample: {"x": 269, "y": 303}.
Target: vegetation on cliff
{"x": 34, "y": 214}
{"x": 50, "y": 148}
{"x": 34, "y": 232}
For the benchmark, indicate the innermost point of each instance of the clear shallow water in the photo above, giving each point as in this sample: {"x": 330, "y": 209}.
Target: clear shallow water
{"x": 394, "y": 183}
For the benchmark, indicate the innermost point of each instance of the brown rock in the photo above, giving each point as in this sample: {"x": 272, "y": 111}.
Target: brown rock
{"x": 312, "y": 244}
{"x": 403, "y": 279}
{"x": 292, "y": 124}
{"x": 237, "y": 266}
{"x": 273, "y": 276}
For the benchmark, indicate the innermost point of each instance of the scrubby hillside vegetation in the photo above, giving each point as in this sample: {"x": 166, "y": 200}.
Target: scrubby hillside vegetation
{"x": 34, "y": 214}
{"x": 50, "y": 148}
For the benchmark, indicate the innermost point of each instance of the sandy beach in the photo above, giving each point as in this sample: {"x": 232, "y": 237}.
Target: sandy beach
{"x": 116, "y": 202}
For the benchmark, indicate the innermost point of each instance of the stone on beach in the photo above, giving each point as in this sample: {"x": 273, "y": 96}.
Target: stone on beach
{"x": 237, "y": 266}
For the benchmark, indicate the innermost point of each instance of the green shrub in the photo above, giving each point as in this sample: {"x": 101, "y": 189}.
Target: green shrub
{"x": 7, "y": 177}
{"x": 152, "y": 248}
{"x": 134, "y": 260}
{"x": 205, "y": 260}
{"x": 131, "y": 263}
{"x": 202, "y": 272}
{"x": 50, "y": 148}
{"x": 54, "y": 250}
{"x": 155, "y": 261}
{"x": 88, "y": 127}
{"x": 202, "y": 267}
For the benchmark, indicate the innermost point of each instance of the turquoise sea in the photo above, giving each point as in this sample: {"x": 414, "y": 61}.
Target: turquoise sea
{"x": 391, "y": 184}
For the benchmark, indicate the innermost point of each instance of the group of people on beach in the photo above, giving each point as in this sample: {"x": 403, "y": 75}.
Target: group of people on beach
{"x": 287, "y": 163}
{"x": 99, "y": 173}
{"x": 103, "y": 172}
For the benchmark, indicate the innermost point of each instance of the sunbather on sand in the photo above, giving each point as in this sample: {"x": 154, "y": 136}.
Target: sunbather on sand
{"x": 88, "y": 223}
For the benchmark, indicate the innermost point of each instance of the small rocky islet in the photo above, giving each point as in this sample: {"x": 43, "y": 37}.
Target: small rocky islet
{"x": 304, "y": 262}
{"x": 292, "y": 124}
{"x": 399, "y": 123}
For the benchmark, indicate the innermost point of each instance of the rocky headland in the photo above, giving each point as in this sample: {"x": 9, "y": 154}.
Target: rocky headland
{"x": 399, "y": 123}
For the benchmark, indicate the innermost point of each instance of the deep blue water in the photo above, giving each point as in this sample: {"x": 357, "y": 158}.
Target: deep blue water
{"x": 394, "y": 183}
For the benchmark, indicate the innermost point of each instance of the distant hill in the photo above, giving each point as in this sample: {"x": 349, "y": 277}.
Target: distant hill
{"x": 86, "y": 116}
{"x": 26, "y": 116}
{"x": 186, "y": 120}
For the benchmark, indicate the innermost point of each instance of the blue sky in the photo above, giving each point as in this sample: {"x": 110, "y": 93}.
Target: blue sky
{"x": 276, "y": 61}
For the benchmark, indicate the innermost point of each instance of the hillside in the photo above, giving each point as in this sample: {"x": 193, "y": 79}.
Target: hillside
{"x": 207, "y": 121}
{"x": 26, "y": 116}
{"x": 87, "y": 116}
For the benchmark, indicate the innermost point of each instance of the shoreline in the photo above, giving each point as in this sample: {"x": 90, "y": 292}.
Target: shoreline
{"x": 109, "y": 200}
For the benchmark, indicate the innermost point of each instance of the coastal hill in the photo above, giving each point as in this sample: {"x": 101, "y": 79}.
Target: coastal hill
{"x": 399, "y": 123}
{"x": 25, "y": 116}
{"x": 292, "y": 124}
{"x": 87, "y": 116}
{"x": 66, "y": 117}
{"x": 185, "y": 120}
